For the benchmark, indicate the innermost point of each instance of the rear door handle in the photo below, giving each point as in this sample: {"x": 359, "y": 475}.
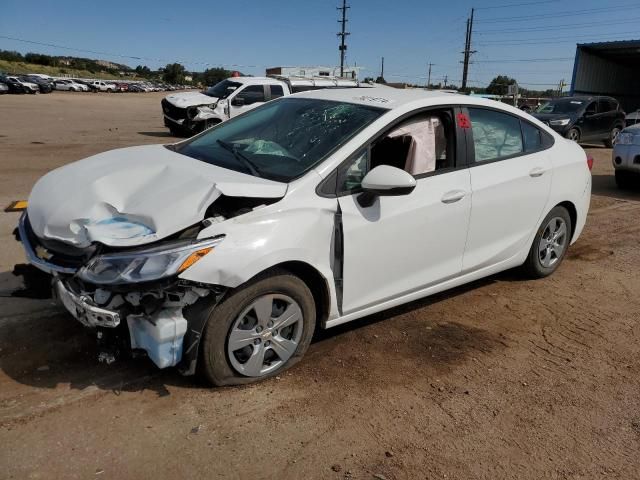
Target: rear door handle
{"x": 537, "y": 172}
{"x": 453, "y": 196}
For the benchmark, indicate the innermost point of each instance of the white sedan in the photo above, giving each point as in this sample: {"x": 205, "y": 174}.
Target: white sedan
{"x": 228, "y": 249}
{"x": 70, "y": 85}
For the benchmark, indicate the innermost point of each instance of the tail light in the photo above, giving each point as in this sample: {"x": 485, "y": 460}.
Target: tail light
{"x": 589, "y": 162}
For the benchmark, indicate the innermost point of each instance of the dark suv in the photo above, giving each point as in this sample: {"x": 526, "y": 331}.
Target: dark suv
{"x": 584, "y": 118}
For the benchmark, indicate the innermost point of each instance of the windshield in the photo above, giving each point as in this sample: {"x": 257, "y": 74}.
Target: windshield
{"x": 566, "y": 105}
{"x": 222, "y": 89}
{"x": 281, "y": 139}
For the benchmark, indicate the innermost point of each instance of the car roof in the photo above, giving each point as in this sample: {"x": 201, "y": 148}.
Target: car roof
{"x": 392, "y": 98}
{"x": 255, "y": 80}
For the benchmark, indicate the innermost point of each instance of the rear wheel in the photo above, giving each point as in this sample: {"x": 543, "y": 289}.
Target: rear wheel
{"x": 550, "y": 244}
{"x": 109, "y": 90}
{"x": 573, "y": 134}
{"x": 613, "y": 136}
{"x": 259, "y": 331}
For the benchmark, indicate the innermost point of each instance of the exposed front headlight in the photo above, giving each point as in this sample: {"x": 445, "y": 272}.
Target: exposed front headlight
{"x": 146, "y": 265}
{"x": 560, "y": 123}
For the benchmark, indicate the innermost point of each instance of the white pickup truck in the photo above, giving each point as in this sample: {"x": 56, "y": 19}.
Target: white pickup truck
{"x": 100, "y": 86}
{"x": 188, "y": 113}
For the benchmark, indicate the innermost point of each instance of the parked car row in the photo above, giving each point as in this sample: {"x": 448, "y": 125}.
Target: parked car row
{"x": 39, "y": 83}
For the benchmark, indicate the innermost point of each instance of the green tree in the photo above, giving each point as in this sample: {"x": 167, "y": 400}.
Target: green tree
{"x": 500, "y": 85}
{"x": 173, "y": 73}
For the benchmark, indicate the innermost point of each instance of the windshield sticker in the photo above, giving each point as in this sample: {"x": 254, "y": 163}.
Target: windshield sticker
{"x": 365, "y": 98}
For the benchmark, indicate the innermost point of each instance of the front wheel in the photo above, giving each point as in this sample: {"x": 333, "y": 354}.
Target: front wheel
{"x": 260, "y": 330}
{"x": 550, "y": 244}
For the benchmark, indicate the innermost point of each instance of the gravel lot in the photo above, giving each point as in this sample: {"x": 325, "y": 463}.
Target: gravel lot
{"x": 501, "y": 379}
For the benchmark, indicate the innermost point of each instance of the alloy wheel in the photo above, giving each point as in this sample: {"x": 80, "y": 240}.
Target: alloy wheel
{"x": 553, "y": 242}
{"x": 265, "y": 335}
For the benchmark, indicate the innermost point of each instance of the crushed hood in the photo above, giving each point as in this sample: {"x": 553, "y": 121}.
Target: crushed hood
{"x": 190, "y": 99}
{"x": 132, "y": 196}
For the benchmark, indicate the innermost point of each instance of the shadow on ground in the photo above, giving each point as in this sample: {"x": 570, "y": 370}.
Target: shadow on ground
{"x": 42, "y": 346}
{"x": 605, "y": 186}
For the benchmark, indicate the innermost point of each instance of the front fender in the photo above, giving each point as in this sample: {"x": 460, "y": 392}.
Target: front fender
{"x": 260, "y": 241}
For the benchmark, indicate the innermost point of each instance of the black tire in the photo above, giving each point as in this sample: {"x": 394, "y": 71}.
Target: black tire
{"x": 176, "y": 132}
{"x": 610, "y": 142}
{"x": 573, "y": 134}
{"x": 624, "y": 180}
{"x": 109, "y": 90}
{"x": 214, "y": 365}
{"x": 533, "y": 266}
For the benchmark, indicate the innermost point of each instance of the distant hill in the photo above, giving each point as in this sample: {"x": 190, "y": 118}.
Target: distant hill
{"x": 15, "y": 62}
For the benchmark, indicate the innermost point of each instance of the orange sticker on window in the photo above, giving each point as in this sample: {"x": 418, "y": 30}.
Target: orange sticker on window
{"x": 463, "y": 121}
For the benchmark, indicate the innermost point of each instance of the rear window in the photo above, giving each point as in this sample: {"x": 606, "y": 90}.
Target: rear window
{"x": 276, "y": 91}
{"x": 496, "y": 135}
{"x": 532, "y": 137}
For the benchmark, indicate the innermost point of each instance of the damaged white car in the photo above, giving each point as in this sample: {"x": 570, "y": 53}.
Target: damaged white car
{"x": 225, "y": 251}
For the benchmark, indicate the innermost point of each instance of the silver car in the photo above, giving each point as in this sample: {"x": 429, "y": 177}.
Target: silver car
{"x": 626, "y": 157}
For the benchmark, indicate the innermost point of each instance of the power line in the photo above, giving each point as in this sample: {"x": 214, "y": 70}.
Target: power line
{"x": 567, "y": 26}
{"x": 521, "y": 18}
{"x": 565, "y": 37}
{"x": 109, "y": 54}
{"x": 533, "y": 60}
{"x": 508, "y": 5}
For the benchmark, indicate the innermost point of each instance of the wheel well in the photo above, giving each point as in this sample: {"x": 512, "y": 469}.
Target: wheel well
{"x": 316, "y": 283}
{"x": 573, "y": 214}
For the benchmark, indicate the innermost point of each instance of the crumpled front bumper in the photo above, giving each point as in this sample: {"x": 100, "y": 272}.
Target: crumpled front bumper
{"x": 83, "y": 309}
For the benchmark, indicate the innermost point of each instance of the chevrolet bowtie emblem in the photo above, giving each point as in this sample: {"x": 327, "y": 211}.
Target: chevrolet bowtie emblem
{"x": 43, "y": 253}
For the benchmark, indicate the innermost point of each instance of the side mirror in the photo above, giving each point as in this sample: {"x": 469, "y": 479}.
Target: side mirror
{"x": 238, "y": 102}
{"x": 589, "y": 113}
{"x": 385, "y": 180}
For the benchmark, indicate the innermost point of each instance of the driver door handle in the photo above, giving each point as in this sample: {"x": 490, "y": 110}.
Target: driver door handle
{"x": 453, "y": 196}
{"x": 537, "y": 172}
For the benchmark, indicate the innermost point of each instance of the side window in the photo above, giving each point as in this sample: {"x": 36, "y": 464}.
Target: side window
{"x": 532, "y": 137}
{"x": 276, "y": 91}
{"x": 252, "y": 94}
{"x": 607, "y": 105}
{"x": 351, "y": 177}
{"x": 591, "y": 109}
{"x": 496, "y": 135}
{"x": 420, "y": 145}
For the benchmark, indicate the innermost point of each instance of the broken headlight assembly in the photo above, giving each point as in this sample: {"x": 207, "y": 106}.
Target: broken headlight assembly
{"x": 146, "y": 265}
{"x": 192, "y": 112}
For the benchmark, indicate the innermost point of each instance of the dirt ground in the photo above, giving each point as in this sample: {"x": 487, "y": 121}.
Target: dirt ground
{"x": 501, "y": 379}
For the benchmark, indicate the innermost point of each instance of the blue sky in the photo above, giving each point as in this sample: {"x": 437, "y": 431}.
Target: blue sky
{"x": 531, "y": 41}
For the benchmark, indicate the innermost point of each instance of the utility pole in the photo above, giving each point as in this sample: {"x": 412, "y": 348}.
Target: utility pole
{"x": 382, "y": 69}
{"x": 467, "y": 50}
{"x": 429, "y": 76}
{"x": 446, "y": 77}
{"x": 343, "y": 34}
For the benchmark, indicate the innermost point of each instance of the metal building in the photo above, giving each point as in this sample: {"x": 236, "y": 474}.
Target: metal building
{"x": 609, "y": 68}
